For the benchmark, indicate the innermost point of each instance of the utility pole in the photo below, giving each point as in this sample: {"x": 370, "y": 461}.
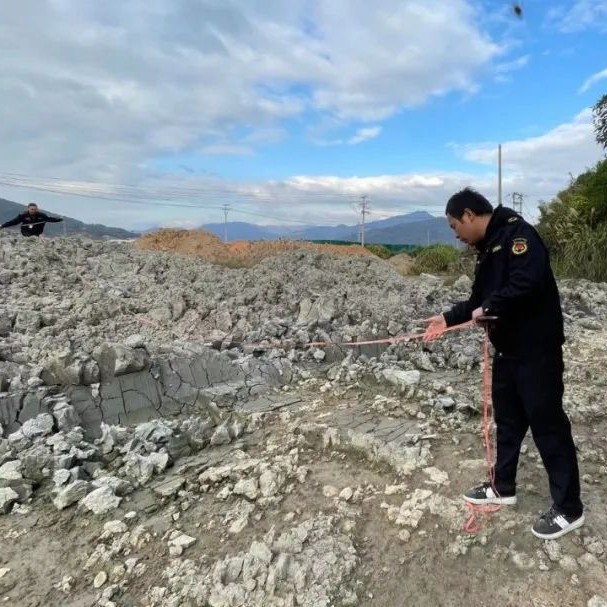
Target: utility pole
{"x": 517, "y": 202}
{"x": 226, "y": 209}
{"x": 364, "y": 210}
{"x": 499, "y": 174}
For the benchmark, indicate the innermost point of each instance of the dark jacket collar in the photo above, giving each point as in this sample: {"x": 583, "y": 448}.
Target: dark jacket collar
{"x": 500, "y": 217}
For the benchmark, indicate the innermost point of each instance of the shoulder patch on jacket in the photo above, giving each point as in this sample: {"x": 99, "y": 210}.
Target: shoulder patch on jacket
{"x": 519, "y": 246}
{"x": 512, "y": 219}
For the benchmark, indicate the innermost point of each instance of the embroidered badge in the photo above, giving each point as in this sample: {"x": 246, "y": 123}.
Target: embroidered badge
{"x": 496, "y": 248}
{"x": 513, "y": 219}
{"x": 519, "y": 246}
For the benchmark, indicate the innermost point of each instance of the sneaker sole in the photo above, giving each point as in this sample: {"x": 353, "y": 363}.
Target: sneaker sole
{"x": 553, "y": 536}
{"x": 498, "y": 501}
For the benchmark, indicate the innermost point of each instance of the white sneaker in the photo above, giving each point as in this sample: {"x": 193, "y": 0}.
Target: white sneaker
{"x": 552, "y": 525}
{"x": 485, "y": 494}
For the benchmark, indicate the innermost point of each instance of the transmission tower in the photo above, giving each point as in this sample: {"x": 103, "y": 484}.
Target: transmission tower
{"x": 226, "y": 209}
{"x": 364, "y": 211}
{"x": 517, "y": 202}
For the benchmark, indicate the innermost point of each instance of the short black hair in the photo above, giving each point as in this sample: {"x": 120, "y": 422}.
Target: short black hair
{"x": 468, "y": 199}
{"x": 32, "y": 204}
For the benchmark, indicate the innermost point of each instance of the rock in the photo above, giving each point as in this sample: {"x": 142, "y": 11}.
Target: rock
{"x": 463, "y": 283}
{"x": 119, "y": 486}
{"x": 115, "y": 528}
{"x": 62, "y": 369}
{"x": 437, "y": 477}
{"x": 394, "y": 489}
{"x": 446, "y": 403}
{"x": 268, "y": 484}
{"x": 7, "y": 498}
{"x": 101, "y": 501}
{"x": 238, "y": 525}
{"x": 135, "y": 341}
{"x": 100, "y": 579}
{"x": 70, "y": 494}
{"x": 430, "y": 279}
{"x": 247, "y": 487}
{"x": 41, "y": 425}
{"x": 404, "y": 535}
{"x": 36, "y": 463}
{"x": 330, "y": 491}
{"x": 117, "y": 359}
{"x": 168, "y": 486}
{"x": 155, "y": 431}
{"x": 66, "y": 417}
{"x": 401, "y": 379}
{"x": 221, "y": 436}
{"x": 11, "y": 471}
{"x": 346, "y": 494}
{"x": 261, "y": 552}
{"x": 181, "y": 540}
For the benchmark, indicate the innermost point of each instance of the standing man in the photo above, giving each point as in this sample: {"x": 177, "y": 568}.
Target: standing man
{"x": 32, "y": 221}
{"x": 514, "y": 282}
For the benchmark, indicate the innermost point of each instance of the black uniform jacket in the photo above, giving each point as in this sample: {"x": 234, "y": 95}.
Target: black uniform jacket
{"x": 31, "y": 225}
{"x": 514, "y": 281}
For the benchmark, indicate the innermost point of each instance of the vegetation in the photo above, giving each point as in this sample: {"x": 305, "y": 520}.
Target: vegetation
{"x": 379, "y": 250}
{"x": 599, "y": 113}
{"x": 574, "y": 226}
{"x": 574, "y": 223}
{"x": 435, "y": 259}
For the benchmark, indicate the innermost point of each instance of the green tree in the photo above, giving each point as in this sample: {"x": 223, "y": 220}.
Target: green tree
{"x": 599, "y": 113}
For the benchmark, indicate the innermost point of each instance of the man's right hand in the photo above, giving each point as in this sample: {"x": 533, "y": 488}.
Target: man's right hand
{"x": 436, "y": 327}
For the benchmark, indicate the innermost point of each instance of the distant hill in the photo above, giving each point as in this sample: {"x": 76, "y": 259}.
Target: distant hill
{"x": 8, "y": 210}
{"x": 240, "y": 230}
{"x": 418, "y": 228}
{"x": 430, "y": 231}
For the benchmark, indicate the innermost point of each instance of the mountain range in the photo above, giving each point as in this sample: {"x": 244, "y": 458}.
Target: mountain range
{"x": 418, "y": 228}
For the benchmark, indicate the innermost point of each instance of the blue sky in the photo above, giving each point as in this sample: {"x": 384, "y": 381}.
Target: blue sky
{"x": 293, "y": 110}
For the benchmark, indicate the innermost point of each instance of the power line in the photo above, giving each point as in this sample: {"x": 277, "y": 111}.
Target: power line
{"x": 177, "y": 196}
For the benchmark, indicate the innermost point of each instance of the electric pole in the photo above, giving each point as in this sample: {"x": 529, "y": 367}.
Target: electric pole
{"x": 499, "y": 174}
{"x": 517, "y": 202}
{"x": 364, "y": 210}
{"x": 226, "y": 209}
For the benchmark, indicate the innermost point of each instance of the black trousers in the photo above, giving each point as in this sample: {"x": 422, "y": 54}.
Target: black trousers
{"x": 528, "y": 393}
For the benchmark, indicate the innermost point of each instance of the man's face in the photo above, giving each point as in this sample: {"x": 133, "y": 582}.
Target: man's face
{"x": 466, "y": 229}
{"x": 32, "y": 209}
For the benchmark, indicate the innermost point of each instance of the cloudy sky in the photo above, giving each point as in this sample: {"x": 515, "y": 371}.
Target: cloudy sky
{"x": 158, "y": 112}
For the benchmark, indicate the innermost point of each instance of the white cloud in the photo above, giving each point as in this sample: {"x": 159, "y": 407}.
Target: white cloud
{"x": 226, "y": 149}
{"x": 541, "y": 166}
{"x": 537, "y": 166}
{"x": 364, "y": 134}
{"x": 579, "y": 16}
{"x": 96, "y": 90}
{"x": 592, "y": 80}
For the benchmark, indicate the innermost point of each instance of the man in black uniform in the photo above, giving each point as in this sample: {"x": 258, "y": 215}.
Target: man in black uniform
{"x": 514, "y": 282}
{"x": 32, "y": 221}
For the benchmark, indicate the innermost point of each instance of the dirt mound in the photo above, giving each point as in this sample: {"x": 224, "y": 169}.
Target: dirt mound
{"x": 238, "y": 254}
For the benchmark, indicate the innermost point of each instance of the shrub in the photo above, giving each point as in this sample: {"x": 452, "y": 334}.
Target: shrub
{"x": 435, "y": 259}
{"x": 379, "y": 250}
